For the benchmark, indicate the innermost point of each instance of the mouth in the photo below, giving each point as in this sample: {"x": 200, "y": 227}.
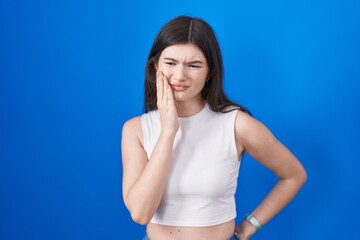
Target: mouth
{"x": 179, "y": 88}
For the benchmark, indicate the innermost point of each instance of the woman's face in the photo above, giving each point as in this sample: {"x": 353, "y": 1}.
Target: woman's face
{"x": 186, "y": 68}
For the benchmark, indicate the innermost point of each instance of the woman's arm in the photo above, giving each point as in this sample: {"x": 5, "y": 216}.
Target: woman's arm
{"x": 144, "y": 180}
{"x": 255, "y": 139}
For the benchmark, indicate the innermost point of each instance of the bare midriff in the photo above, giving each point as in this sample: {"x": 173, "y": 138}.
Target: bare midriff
{"x": 217, "y": 232}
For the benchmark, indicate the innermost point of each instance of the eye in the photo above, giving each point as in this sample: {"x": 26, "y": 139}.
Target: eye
{"x": 170, "y": 63}
{"x": 194, "y": 66}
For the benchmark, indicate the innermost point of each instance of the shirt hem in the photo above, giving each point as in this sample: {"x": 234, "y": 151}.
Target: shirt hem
{"x": 193, "y": 224}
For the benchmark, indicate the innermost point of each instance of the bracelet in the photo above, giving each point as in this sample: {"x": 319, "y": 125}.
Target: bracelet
{"x": 251, "y": 219}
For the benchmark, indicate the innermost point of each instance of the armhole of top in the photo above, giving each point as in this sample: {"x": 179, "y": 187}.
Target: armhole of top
{"x": 145, "y": 133}
{"x": 234, "y": 114}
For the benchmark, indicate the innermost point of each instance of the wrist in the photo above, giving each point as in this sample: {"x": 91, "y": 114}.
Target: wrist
{"x": 169, "y": 134}
{"x": 246, "y": 229}
{"x": 251, "y": 219}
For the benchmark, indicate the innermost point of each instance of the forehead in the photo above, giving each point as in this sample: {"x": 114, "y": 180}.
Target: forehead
{"x": 186, "y": 51}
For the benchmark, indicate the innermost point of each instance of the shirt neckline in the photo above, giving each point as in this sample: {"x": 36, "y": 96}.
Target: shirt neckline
{"x": 196, "y": 115}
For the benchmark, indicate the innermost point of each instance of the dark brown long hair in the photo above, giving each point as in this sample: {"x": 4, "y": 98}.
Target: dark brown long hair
{"x": 181, "y": 30}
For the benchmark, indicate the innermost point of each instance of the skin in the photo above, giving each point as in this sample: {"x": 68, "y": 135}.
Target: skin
{"x": 181, "y": 74}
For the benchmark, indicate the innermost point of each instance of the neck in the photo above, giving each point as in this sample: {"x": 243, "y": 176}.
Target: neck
{"x": 188, "y": 109}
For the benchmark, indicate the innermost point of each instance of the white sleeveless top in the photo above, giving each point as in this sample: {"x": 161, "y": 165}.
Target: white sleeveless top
{"x": 204, "y": 169}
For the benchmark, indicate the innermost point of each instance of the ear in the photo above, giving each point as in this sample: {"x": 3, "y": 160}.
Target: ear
{"x": 156, "y": 65}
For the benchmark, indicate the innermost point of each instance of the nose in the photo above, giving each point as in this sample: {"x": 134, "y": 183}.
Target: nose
{"x": 179, "y": 74}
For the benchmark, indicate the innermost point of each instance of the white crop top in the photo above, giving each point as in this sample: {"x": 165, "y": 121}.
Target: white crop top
{"x": 204, "y": 169}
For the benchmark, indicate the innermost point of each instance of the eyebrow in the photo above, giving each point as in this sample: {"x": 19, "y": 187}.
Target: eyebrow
{"x": 191, "y": 62}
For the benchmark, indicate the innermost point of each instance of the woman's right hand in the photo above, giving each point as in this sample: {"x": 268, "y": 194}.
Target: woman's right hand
{"x": 245, "y": 230}
{"x": 166, "y": 105}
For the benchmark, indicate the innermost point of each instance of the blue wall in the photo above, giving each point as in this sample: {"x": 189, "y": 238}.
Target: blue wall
{"x": 71, "y": 73}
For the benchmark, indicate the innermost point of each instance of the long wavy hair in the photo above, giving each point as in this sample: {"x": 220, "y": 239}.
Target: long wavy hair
{"x": 184, "y": 29}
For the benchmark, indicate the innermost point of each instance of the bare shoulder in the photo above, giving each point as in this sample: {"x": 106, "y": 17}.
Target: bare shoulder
{"x": 251, "y": 132}
{"x": 246, "y": 124}
{"x": 132, "y": 129}
{"x": 133, "y": 123}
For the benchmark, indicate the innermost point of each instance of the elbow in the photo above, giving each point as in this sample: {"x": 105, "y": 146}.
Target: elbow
{"x": 298, "y": 179}
{"x": 140, "y": 217}
{"x": 305, "y": 177}
{"x": 142, "y": 220}
{"x": 302, "y": 177}
{"x": 140, "y": 213}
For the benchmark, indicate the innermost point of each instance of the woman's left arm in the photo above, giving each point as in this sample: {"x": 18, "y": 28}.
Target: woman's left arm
{"x": 256, "y": 139}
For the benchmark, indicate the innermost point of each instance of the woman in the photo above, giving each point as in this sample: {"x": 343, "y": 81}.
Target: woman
{"x": 181, "y": 158}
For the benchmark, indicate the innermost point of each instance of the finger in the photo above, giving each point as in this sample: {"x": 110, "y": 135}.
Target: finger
{"x": 170, "y": 94}
{"x": 166, "y": 78}
{"x": 166, "y": 90}
{"x": 159, "y": 86}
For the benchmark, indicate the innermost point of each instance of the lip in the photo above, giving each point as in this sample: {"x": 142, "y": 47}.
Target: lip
{"x": 179, "y": 88}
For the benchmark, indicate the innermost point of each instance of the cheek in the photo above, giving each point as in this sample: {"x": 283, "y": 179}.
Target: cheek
{"x": 164, "y": 68}
{"x": 201, "y": 77}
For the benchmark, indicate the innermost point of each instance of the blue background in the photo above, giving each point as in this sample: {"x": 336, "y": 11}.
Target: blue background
{"x": 71, "y": 73}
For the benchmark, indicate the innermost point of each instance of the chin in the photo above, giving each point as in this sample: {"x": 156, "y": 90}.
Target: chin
{"x": 180, "y": 97}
